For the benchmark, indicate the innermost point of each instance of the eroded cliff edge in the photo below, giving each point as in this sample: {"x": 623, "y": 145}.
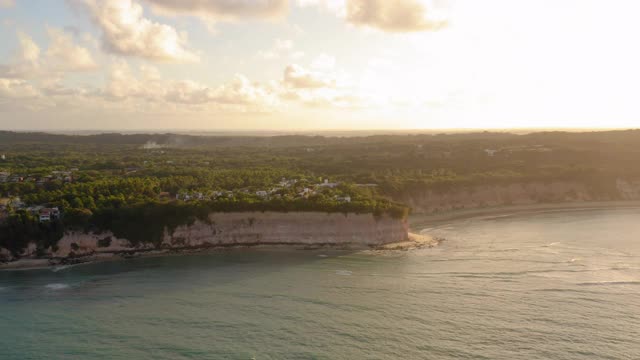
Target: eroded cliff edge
{"x": 430, "y": 201}
{"x": 227, "y": 230}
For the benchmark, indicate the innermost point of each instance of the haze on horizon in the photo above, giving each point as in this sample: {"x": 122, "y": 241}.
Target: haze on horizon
{"x": 318, "y": 64}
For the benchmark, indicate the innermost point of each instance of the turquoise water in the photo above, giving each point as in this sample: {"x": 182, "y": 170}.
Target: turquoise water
{"x": 548, "y": 286}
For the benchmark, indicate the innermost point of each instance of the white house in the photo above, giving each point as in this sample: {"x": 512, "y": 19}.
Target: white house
{"x": 48, "y": 214}
{"x": 491, "y": 152}
{"x": 327, "y": 184}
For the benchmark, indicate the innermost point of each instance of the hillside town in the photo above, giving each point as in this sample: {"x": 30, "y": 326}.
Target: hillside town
{"x": 283, "y": 189}
{"x": 62, "y": 176}
{"x": 289, "y": 189}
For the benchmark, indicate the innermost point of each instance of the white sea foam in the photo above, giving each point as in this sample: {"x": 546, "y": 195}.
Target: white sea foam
{"x": 344, "y": 272}
{"x": 605, "y": 283}
{"x": 57, "y": 286}
{"x": 62, "y": 267}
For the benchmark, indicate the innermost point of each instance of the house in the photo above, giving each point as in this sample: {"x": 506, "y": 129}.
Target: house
{"x": 164, "y": 195}
{"x": 44, "y": 180}
{"x": 48, "y": 214}
{"x": 183, "y": 197}
{"x": 45, "y": 216}
{"x": 285, "y": 183}
{"x": 343, "y": 199}
{"x": 16, "y": 178}
{"x": 35, "y": 209}
{"x": 262, "y": 193}
{"x": 491, "y": 152}
{"x": 327, "y": 184}
{"x": 306, "y": 192}
{"x": 4, "y": 177}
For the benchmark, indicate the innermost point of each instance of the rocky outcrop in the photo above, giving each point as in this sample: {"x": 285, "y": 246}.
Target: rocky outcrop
{"x": 241, "y": 229}
{"x": 474, "y": 197}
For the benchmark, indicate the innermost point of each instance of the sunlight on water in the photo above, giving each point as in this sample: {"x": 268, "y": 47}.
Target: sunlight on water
{"x": 547, "y": 286}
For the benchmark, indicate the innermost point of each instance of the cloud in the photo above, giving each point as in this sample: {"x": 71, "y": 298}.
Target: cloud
{"x": 26, "y": 60}
{"x": 16, "y": 89}
{"x": 224, "y": 10}
{"x": 63, "y": 53}
{"x": 29, "y": 50}
{"x": 125, "y": 31}
{"x": 335, "y": 6}
{"x": 320, "y": 89}
{"x": 7, "y": 3}
{"x": 395, "y": 16}
{"x": 297, "y": 77}
{"x": 240, "y": 93}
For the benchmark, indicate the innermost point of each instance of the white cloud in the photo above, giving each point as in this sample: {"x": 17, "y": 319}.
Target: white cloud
{"x": 29, "y": 50}
{"x": 224, "y": 10}
{"x": 25, "y": 62}
{"x": 388, "y": 15}
{"x": 7, "y": 3}
{"x": 240, "y": 94}
{"x": 335, "y": 6}
{"x": 16, "y": 89}
{"x": 297, "y": 77}
{"x": 125, "y": 31}
{"x": 63, "y": 53}
{"x": 395, "y": 16}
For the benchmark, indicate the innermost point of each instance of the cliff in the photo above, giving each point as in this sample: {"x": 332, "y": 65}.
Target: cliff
{"x": 474, "y": 197}
{"x": 240, "y": 229}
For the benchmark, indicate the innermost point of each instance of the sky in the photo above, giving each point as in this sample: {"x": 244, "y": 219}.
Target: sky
{"x": 318, "y": 64}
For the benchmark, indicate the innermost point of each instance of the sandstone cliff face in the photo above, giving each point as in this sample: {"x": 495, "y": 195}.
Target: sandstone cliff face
{"x": 290, "y": 228}
{"x": 430, "y": 202}
{"x": 236, "y": 229}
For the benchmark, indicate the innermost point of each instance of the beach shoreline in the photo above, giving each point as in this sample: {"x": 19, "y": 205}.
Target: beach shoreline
{"x": 418, "y": 222}
{"x": 415, "y": 241}
{"x": 418, "y": 239}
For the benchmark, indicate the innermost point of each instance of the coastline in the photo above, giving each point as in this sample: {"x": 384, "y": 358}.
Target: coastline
{"x": 417, "y": 240}
{"x": 419, "y": 221}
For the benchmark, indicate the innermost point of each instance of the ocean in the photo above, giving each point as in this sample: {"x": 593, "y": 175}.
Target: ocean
{"x": 561, "y": 285}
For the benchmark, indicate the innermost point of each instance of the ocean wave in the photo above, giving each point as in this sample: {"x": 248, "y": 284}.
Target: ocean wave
{"x": 608, "y": 283}
{"x": 344, "y": 272}
{"x": 57, "y": 286}
{"x": 61, "y": 267}
{"x": 551, "y": 244}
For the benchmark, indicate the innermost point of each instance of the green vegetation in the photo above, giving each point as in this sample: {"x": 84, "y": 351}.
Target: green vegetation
{"x": 138, "y": 185}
